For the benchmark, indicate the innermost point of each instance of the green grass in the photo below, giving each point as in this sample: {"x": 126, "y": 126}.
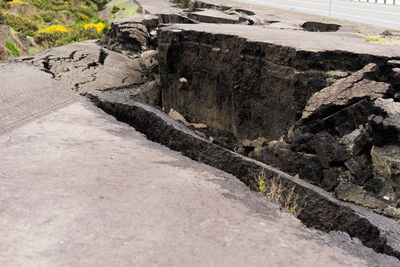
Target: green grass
{"x": 127, "y": 9}
{"x": 33, "y": 50}
{"x": 115, "y": 9}
{"x": 380, "y": 40}
{"x": 275, "y": 190}
{"x": 11, "y": 47}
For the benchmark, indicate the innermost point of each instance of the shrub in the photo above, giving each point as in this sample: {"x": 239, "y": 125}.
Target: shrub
{"x": 78, "y": 36}
{"x": 75, "y": 34}
{"x": 98, "y": 26}
{"x": 53, "y": 29}
{"x": 46, "y": 18}
{"x": 2, "y": 16}
{"x": 115, "y": 9}
{"x": 15, "y": 2}
{"x": 14, "y": 51}
{"x": 101, "y": 3}
{"x": 27, "y": 25}
{"x": 55, "y": 5}
{"x": 83, "y": 17}
{"x": 51, "y": 34}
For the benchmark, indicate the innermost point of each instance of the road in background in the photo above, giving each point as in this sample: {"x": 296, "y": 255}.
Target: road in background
{"x": 388, "y": 2}
{"x": 387, "y": 16}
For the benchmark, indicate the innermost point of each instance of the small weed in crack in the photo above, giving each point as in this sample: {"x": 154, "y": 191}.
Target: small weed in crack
{"x": 275, "y": 190}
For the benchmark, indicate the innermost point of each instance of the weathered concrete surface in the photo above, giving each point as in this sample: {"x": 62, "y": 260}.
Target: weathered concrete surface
{"x": 78, "y": 188}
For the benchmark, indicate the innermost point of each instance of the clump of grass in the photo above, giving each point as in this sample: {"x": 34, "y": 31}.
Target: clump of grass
{"x": 11, "y": 47}
{"x": 381, "y": 40}
{"x": 275, "y": 190}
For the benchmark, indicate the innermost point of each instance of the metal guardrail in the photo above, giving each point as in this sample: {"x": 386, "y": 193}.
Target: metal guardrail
{"x": 386, "y": 2}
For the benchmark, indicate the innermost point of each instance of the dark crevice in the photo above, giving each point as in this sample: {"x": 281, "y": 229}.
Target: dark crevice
{"x": 47, "y": 66}
{"x": 102, "y": 56}
{"x": 92, "y": 65}
{"x": 71, "y": 56}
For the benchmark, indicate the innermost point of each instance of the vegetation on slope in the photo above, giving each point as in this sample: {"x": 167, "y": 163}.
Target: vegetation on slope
{"x": 14, "y": 51}
{"x": 382, "y": 40}
{"x": 118, "y": 9}
{"x": 54, "y": 22}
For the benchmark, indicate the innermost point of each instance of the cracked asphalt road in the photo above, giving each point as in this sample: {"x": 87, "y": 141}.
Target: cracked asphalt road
{"x": 78, "y": 188}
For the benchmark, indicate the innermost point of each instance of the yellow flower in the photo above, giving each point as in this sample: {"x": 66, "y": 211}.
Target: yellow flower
{"x": 52, "y": 29}
{"x": 15, "y": 2}
{"x": 99, "y": 26}
{"x": 83, "y": 17}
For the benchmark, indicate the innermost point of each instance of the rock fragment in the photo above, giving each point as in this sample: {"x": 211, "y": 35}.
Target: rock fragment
{"x": 345, "y": 92}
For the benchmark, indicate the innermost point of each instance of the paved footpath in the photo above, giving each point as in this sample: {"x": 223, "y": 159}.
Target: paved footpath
{"x": 78, "y": 188}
